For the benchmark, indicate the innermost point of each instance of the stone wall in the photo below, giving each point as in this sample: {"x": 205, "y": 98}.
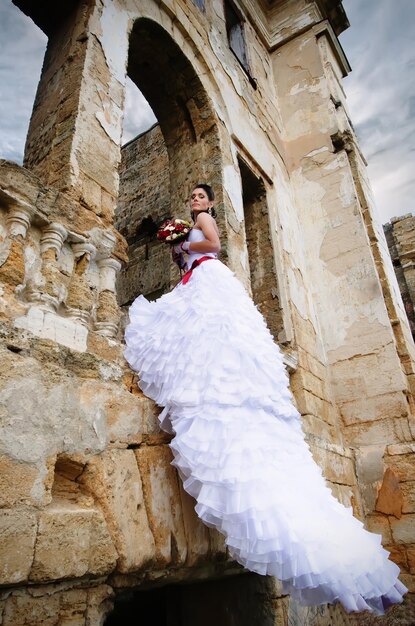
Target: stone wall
{"x": 400, "y": 237}
{"x": 144, "y": 202}
{"x": 92, "y": 509}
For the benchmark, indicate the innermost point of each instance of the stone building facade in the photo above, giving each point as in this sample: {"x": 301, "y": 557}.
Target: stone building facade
{"x": 248, "y": 97}
{"x": 400, "y": 236}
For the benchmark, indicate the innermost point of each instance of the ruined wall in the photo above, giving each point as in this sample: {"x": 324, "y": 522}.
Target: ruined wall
{"x": 144, "y": 202}
{"x": 400, "y": 237}
{"x": 89, "y": 496}
{"x": 358, "y": 315}
{"x": 82, "y": 454}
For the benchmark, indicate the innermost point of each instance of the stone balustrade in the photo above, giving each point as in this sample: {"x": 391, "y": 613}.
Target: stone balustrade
{"x": 64, "y": 280}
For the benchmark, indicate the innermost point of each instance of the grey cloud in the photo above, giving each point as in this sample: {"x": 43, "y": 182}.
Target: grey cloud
{"x": 381, "y": 92}
{"x": 138, "y": 115}
{"x": 23, "y": 48}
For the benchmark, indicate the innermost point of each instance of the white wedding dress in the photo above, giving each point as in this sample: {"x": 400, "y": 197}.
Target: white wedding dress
{"x": 203, "y": 352}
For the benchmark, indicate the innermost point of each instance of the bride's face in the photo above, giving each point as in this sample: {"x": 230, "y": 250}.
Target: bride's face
{"x": 199, "y": 200}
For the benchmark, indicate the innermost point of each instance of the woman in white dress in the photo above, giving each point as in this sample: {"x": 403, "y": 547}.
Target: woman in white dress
{"x": 205, "y": 354}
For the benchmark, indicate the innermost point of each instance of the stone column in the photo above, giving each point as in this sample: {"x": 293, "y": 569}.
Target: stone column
{"x": 339, "y": 239}
{"x": 52, "y": 238}
{"x": 18, "y": 221}
{"x": 49, "y": 290}
{"x": 108, "y": 313}
{"x": 12, "y": 265}
{"x": 80, "y": 299}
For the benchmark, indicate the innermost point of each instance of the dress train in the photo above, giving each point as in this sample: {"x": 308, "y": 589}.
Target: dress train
{"x": 204, "y": 353}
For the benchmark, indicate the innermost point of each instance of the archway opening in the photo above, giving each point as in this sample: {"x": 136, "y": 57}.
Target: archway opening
{"x": 245, "y": 599}
{"x": 161, "y": 165}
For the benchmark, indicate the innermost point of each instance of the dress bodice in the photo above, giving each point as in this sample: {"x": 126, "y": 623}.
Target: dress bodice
{"x": 197, "y": 235}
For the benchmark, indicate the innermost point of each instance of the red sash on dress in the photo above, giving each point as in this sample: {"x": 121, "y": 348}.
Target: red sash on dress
{"x": 195, "y": 263}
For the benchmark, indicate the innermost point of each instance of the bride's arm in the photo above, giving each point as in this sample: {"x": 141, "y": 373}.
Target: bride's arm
{"x": 211, "y": 242}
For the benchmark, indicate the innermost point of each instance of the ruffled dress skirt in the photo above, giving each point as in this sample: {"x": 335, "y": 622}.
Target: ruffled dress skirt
{"x": 205, "y": 354}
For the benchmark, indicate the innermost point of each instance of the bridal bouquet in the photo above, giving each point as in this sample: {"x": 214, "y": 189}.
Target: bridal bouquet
{"x": 173, "y": 231}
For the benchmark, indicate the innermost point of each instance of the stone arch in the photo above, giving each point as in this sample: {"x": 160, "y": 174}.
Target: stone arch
{"x": 181, "y": 104}
{"x": 186, "y": 143}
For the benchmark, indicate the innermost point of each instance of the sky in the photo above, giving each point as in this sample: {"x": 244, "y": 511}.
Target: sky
{"x": 380, "y": 89}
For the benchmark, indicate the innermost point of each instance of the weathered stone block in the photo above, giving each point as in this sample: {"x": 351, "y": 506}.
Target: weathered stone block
{"x": 130, "y": 415}
{"x": 12, "y": 270}
{"x": 349, "y": 497}
{"x": 316, "y": 385}
{"x": 370, "y": 433}
{"x": 336, "y": 468}
{"x": 380, "y": 524}
{"x": 48, "y": 325}
{"x": 17, "y": 541}
{"x": 318, "y": 428}
{"x": 365, "y": 409}
{"x": 369, "y": 463}
{"x": 309, "y": 403}
{"x": 369, "y": 468}
{"x": 99, "y": 604}
{"x": 24, "y": 483}
{"x": 408, "y": 496}
{"x": 197, "y": 534}
{"x": 114, "y": 480}
{"x": 71, "y": 542}
{"x": 401, "y": 448}
{"x": 23, "y": 609}
{"x": 403, "y": 530}
{"x": 163, "y": 503}
{"x": 49, "y": 605}
{"x": 409, "y": 581}
{"x": 410, "y": 553}
{"x": 390, "y": 500}
{"x": 218, "y": 548}
{"x": 403, "y": 465}
{"x": 398, "y": 554}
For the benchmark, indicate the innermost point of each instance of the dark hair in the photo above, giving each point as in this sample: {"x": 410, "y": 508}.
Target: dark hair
{"x": 208, "y": 189}
{"x": 210, "y": 194}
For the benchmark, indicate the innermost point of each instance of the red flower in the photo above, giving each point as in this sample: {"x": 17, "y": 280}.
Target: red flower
{"x": 173, "y": 231}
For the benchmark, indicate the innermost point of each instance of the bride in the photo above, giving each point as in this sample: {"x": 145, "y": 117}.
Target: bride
{"x": 205, "y": 354}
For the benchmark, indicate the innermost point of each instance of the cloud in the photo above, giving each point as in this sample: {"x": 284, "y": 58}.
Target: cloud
{"x": 381, "y": 97}
{"x": 23, "y": 49}
{"x": 138, "y": 115}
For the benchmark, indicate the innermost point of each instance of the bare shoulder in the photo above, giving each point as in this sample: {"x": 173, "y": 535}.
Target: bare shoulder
{"x": 204, "y": 220}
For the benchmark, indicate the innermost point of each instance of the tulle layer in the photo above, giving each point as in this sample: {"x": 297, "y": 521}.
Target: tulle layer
{"x": 204, "y": 352}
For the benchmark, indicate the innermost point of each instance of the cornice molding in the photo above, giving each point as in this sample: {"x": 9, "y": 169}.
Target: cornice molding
{"x": 263, "y": 17}
{"x": 325, "y": 28}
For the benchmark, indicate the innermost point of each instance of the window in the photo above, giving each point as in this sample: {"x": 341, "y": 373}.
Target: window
{"x": 200, "y": 4}
{"x": 236, "y": 35}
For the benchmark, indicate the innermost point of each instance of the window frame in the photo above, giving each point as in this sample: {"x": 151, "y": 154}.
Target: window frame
{"x": 229, "y": 4}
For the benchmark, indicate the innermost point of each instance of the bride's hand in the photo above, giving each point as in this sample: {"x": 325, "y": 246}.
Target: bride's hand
{"x": 177, "y": 256}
